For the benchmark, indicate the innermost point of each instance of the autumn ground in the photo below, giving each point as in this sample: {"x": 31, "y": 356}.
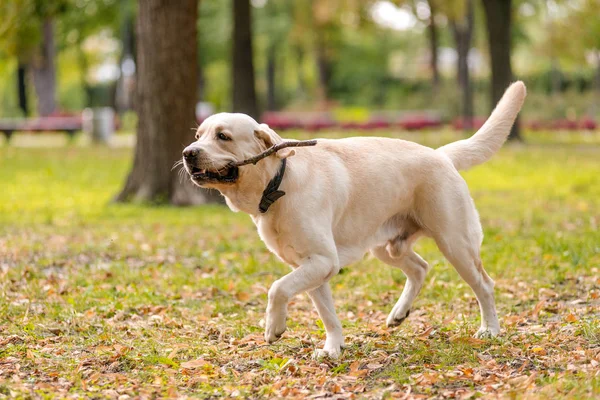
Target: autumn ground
{"x": 102, "y": 300}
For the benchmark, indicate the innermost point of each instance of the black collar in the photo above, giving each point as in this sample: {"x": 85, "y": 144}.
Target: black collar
{"x": 271, "y": 192}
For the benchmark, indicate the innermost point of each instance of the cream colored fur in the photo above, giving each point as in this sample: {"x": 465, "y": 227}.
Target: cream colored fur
{"x": 350, "y": 196}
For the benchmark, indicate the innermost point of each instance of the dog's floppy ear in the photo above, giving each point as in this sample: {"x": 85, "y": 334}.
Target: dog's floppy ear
{"x": 270, "y": 138}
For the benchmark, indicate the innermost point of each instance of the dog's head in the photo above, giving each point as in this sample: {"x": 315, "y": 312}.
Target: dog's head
{"x": 223, "y": 139}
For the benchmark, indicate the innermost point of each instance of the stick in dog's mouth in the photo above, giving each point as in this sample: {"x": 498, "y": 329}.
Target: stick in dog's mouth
{"x": 271, "y": 150}
{"x": 230, "y": 173}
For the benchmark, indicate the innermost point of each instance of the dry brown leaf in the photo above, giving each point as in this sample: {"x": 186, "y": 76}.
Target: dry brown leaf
{"x": 177, "y": 347}
{"x": 538, "y": 307}
{"x": 194, "y": 364}
{"x": 120, "y": 349}
{"x": 571, "y": 318}
{"x": 355, "y": 366}
{"x": 425, "y": 333}
{"x": 242, "y": 296}
{"x": 335, "y": 388}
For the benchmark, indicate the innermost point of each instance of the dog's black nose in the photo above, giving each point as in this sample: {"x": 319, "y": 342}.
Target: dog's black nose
{"x": 191, "y": 153}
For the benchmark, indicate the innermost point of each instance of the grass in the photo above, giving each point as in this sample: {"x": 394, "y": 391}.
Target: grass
{"x": 106, "y": 300}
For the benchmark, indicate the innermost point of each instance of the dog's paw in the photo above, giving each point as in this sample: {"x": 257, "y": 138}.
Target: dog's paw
{"x": 394, "y": 320}
{"x": 486, "y": 332}
{"x": 332, "y": 353}
{"x": 274, "y": 329}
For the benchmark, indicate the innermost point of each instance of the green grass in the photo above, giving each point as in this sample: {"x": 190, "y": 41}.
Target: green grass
{"x": 101, "y": 299}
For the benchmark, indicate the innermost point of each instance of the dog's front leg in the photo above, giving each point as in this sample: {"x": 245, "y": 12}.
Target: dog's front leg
{"x": 323, "y": 301}
{"x": 314, "y": 271}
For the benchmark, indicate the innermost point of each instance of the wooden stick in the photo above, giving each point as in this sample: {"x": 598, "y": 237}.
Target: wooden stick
{"x": 273, "y": 149}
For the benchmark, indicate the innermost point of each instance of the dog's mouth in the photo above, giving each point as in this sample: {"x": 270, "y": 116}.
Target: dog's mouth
{"x": 223, "y": 175}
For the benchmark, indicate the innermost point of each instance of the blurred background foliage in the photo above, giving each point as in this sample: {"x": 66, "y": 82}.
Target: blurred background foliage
{"x": 350, "y": 54}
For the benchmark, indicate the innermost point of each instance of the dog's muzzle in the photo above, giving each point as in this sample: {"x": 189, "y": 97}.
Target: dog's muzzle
{"x": 196, "y": 165}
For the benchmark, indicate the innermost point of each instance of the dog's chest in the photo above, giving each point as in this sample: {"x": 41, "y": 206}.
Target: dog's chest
{"x": 277, "y": 242}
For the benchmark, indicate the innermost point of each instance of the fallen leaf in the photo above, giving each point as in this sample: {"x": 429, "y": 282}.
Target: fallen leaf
{"x": 242, "y": 296}
{"x": 571, "y": 318}
{"x": 194, "y": 364}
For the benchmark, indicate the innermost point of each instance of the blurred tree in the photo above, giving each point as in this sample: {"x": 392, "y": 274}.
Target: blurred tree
{"x": 324, "y": 13}
{"x": 329, "y": 21}
{"x": 244, "y": 87}
{"x": 166, "y": 76}
{"x": 434, "y": 44}
{"x": 33, "y": 31}
{"x": 214, "y": 65}
{"x": 433, "y": 36}
{"x": 82, "y": 19}
{"x": 274, "y": 22}
{"x": 125, "y": 87}
{"x": 43, "y": 68}
{"x": 498, "y": 15}
{"x": 462, "y": 22}
{"x": 22, "y": 88}
{"x": 27, "y": 33}
{"x": 577, "y": 20}
{"x": 301, "y": 41}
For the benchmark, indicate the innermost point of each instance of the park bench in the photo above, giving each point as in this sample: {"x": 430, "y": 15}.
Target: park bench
{"x": 67, "y": 124}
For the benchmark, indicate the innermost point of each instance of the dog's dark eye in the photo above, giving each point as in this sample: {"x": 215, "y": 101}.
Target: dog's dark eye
{"x": 222, "y": 136}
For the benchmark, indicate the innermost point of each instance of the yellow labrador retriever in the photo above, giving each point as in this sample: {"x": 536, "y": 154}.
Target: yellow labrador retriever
{"x": 328, "y": 205}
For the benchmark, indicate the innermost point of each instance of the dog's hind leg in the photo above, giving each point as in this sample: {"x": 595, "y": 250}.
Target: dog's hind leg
{"x": 453, "y": 222}
{"x": 415, "y": 269}
{"x": 463, "y": 254}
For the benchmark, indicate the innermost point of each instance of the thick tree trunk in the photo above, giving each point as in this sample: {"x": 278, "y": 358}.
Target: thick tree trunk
{"x": 22, "y": 88}
{"x": 44, "y": 71}
{"x": 271, "y": 89}
{"x": 244, "y": 91}
{"x": 166, "y": 98}
{"x": 433, "y": 48}
{"x": 463, "y": 33}
{"x": 498, "y": 21}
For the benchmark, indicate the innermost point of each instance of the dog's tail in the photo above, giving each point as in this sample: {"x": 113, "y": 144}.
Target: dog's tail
{"x": 487, "y": 141}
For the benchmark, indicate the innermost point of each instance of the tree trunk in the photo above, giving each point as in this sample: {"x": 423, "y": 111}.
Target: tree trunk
{"x": 498, "y": 21}
{"x": 597, "y": 80}
{"x": 271, "y": 92}
{"x": 463, "y": 33}
{"x": 166, "y": 98}
{"x": 84, "y": 69}
{"x": 125, "y": 85}
{"x": 555, "y": 77}
{"x": 433, "y": 46}
{"x": 22, "y": 88}
{"x": 323, "y": 68}
{"x": 244, "y": 91}
{"x": 44, "y": 71}
{"x": 598, "y": 70}
{"x": 300, "y": 82}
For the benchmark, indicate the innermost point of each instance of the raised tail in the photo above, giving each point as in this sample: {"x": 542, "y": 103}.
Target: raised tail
{"x": 491, "y": 136}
